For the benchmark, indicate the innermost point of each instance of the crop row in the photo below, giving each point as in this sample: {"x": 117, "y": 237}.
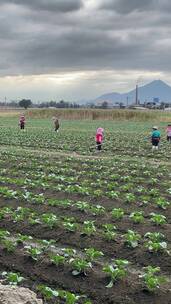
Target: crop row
{"x": 47, "y": 293}
{"x": 121, "y": 143}
{"x": 92, "y": 209}
{"x": 154, "y": 242}
{"x": 90, "y": 227}
{"x": 116, "y": 269}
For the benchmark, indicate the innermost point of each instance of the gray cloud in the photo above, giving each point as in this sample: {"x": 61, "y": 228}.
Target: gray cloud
{"x": 36, "y": 39}
{"x": 48, "y": 5}
{"x": 126, "y": 7}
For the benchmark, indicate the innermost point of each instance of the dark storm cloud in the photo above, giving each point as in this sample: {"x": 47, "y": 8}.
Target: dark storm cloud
{"x": 127, "y": 6}
{"x": 48, "y": 5}
{"x": 41, "y": 36}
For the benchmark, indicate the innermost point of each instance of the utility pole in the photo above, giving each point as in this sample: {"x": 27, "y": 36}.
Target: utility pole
{"x": 136, "y": 95}
{"x": 127, "y": 100}
{"x": 137, "y": 102}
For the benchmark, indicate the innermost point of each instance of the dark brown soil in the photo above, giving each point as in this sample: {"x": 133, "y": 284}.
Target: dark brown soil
{"x": 128, "y": 291}
{"x": 92, "y": 284}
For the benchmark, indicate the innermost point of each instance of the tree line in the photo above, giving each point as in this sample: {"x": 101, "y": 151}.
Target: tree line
{"x": 27, "y": 103}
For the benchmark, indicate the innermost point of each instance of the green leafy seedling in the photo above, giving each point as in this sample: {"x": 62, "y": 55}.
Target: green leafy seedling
{"x": 117, "y": 213}
{"x": 47, "y": 292}
{"x": 137, "y": 217}
{"x": 80, "y": 266}
{"x": 116, "y": 271}
{"x": 57, "y": 259}
{"x": 13, "y": 278}
{"x": 158, "y": 219}
{"x": 151, "y": 280}
{"x": 132, "y": 238}
{"x": 93, "y": 254}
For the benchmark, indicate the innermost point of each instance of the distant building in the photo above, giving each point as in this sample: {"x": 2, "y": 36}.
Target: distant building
{"x": 151, "y": 105}
{"x": 156, "y": 99}
{"x": 105, "y": 104}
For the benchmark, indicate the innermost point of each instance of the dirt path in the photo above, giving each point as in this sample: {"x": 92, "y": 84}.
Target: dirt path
{"x": 52, "y": 153}
{"x": 79, "y": 156}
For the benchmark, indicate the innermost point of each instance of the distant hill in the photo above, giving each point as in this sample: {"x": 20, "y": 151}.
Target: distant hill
{"x": 154, "y": 89}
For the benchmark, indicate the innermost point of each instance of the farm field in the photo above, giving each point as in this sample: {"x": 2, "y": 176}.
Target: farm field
{"x": 81, "y": 227}
{"x": 125, "y": 138}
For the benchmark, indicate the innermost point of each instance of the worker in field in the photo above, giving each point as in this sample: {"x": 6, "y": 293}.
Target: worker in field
{"x": 168, "y": 131}
{"x": 22, "y": 121}
{"x": 56, "y": 123}
{"x": 155, "y": 138}
{"x": 99, "y": 138}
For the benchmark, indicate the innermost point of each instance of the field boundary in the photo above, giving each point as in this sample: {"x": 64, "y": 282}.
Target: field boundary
{"x": 80, "y": 156}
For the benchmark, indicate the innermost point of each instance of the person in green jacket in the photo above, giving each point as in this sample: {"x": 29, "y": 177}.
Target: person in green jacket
{"x": 155, "y": 138}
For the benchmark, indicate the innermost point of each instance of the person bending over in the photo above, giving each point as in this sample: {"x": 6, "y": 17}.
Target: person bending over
{"x": 155, "y": 138}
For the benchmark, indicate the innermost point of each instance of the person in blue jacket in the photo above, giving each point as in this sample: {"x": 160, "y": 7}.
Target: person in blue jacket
{"x": 155, "y": 138}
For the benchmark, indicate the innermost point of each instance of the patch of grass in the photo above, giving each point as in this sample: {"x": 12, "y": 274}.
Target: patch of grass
{"x": 99, "y": 114}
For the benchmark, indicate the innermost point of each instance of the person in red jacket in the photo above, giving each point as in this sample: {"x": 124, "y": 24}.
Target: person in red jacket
{"x": 22, "y": 121}
{"x": 99, "y": 138}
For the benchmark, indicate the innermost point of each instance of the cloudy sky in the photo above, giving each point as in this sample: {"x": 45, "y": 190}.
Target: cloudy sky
{"x": 80, "y": 49}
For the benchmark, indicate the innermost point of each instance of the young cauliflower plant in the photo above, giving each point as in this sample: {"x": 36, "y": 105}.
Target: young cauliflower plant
{"x": 154, "y": 236}
{"x": 151, "y": 280}
{"x": 154, "y": 192}
{"x": 57, "y": 259}
{"x": 98, "y": 193}
{"x": 46, "y": 244}
{"x": 69, "y": 226}
{"x": 116, "y": 271}
{"x": 33, "y": 252}
{"x": 132, "y": 238}
{"x": 137, "y": 217}
{"x": 47, "y": 292}
{"x": 82, "y": 206}
{"x": 130, "y": 198}
{"x": 93, "y": 254}
{"x": 158, "y": 219}
{"x": 71, "y": 298}
{"x": 117, "y": 213}
{"x": 69, "y": 252}
{"x": 155, "y": 242}
{"x": 80, "y": 266}
{"x": 49, "y": 219}
{"x": 156, "y": 246}
{"x": 12, "y": 278}
{"x": 23, "y": 238}
{"x": 113, "y": 194}
{"x": 162, "y": 203}
{"x": 97, "y": 210}
{"x": 109, "y": 232}
{"x": 4, "y": 234}
{"x": 88, "y": 228}
{"x": 9, "y": 245}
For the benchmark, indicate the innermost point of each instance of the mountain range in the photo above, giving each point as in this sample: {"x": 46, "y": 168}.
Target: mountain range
{"x": 157, "y": 89}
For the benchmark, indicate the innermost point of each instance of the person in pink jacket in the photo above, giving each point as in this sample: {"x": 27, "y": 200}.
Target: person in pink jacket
{"x": 99, "y": 138}
{"x": 168, "y": 131}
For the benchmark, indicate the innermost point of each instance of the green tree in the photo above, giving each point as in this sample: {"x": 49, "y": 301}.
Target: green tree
{"x": 104, "y": 105}
{"x": 25, "y": 103}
